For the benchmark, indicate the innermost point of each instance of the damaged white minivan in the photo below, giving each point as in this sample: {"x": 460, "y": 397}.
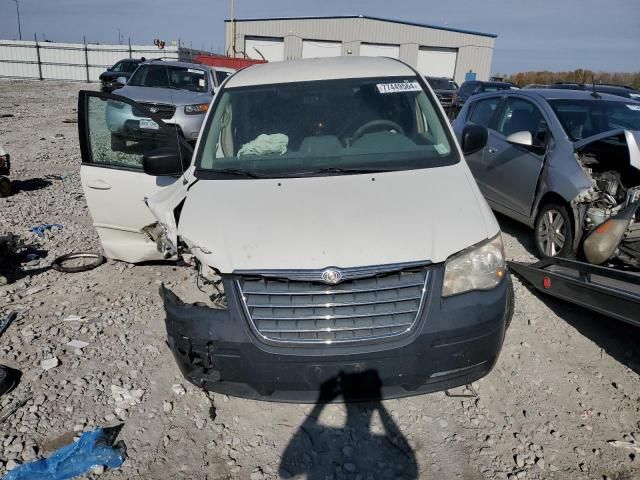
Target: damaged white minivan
{"x": 330, "y": 211}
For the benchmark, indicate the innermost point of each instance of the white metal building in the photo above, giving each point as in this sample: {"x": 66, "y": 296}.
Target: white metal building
{"x": 432, "y": 50}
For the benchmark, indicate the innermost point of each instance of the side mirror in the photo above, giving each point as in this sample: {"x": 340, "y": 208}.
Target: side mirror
{"x": 166, "y": 162}
{"x": 523, "y": 138}
{"x": 474, "y": 138}
{"x": 122, "y": 80}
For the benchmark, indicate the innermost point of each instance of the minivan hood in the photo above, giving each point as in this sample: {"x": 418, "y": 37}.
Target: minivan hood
{"x": 164, "y": 95}
{"x": 341, "y": 221}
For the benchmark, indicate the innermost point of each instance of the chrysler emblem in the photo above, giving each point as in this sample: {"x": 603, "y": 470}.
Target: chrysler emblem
{"x": 331, "y": 276}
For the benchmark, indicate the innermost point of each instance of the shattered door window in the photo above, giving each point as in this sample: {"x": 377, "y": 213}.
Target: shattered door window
{"x": 120, "y": 134}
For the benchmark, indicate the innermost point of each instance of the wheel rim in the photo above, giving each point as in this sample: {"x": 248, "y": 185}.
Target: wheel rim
{"x": 552, "y": 233}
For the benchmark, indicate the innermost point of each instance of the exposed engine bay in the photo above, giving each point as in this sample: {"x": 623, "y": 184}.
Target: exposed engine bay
{"x": 609, "y": 212}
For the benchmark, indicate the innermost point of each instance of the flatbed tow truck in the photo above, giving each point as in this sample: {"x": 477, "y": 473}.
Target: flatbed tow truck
{"x": 606, "y": 290}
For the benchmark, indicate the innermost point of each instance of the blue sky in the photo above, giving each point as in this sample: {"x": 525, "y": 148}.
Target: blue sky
{"x": 532, "y": 35}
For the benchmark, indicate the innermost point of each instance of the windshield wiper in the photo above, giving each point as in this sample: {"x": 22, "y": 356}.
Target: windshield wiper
{"x": 346, "y": 170}
{"x": 235, "y": 171}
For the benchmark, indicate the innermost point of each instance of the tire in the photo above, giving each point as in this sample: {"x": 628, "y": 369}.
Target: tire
{"x": 553, "y": 231}
{"x": 5, "y": 187}
{"x": 59, "y": 266}
{"x": 118, "y": 144}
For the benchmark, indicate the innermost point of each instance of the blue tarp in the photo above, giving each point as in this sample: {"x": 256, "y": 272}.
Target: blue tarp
{"x": 91, "y": 450}
{"x": 40, "y": 229}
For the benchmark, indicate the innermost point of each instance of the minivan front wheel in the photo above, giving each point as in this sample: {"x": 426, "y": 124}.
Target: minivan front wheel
{"x": 553, "y": 231}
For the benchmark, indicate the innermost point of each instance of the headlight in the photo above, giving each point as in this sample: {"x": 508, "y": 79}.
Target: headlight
{"x": 199, "y": 108}
{"x": 480, "y": 267}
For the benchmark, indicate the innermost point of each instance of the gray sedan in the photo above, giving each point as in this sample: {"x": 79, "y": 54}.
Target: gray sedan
{"x": 560, "y": 161}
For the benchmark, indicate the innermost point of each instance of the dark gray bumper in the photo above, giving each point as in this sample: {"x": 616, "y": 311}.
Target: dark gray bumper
{"x": 456, "y": 341}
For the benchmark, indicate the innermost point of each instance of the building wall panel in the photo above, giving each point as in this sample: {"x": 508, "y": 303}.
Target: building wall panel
{"x": 475, "y": 51}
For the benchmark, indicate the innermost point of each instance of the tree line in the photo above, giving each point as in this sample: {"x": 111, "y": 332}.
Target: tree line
{"x": 521, "y": 79}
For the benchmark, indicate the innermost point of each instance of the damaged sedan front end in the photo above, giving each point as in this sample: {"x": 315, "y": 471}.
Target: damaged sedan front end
{"x": 608, "y": 210}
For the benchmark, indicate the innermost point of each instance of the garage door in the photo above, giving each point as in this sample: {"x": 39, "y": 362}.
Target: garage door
{"x": 378, "y": 50}
{"x": 315, "y": 49}
{"x": 437, "y": 62}
{"x": 271, "y": 48}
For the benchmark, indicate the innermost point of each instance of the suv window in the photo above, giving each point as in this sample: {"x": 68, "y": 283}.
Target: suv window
{"x": 468, "y": 88}
{"x": 170, "y": 76}
{"x": 521, "y": 115}
{"x": 442, "y": 83}
{"x": 118, "y": 67}
{"x": 482, "y": 111}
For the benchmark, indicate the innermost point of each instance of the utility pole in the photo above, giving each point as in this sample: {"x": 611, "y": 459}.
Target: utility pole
{"x": 119, "y": 37}
{"x": 233, "y": 29}
{"x": 19, "y": 28}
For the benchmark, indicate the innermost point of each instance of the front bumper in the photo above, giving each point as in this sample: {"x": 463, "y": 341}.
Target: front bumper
{"x": 456, "y": 341}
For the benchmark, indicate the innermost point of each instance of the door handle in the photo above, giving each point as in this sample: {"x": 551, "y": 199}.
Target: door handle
{"x": 99, "y": 185}
{"x": 492, "y": 150}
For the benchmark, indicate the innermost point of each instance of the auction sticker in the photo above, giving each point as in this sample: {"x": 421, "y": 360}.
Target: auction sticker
{"x": 399, "y": 87}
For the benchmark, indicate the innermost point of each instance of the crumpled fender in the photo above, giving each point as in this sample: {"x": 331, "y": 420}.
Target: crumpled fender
{"x": 164, "y": 203}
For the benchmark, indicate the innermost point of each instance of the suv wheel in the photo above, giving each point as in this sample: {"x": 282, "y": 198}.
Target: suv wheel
{"x": 553, "y": 231}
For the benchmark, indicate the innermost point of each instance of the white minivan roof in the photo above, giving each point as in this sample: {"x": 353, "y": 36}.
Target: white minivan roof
{"x": 319, "y": 69}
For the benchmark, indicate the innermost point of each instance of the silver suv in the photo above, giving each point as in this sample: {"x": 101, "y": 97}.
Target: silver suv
{"x": 178, "y": 92}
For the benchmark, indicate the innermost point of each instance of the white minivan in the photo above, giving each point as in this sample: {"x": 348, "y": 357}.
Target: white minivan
{"x": 329, "y": 210}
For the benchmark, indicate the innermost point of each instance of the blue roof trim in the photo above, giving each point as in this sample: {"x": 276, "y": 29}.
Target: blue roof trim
{"x": 392, "y": 20}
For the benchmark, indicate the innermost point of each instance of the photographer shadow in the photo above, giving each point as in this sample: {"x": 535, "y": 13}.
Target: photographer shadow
{"x": 362, "y": 448}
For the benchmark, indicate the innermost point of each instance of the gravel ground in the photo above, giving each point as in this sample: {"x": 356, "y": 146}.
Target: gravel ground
{"x": 567, "y": 381}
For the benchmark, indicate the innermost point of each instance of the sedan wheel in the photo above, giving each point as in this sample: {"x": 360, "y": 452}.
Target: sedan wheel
{"x": 553, "y": 232}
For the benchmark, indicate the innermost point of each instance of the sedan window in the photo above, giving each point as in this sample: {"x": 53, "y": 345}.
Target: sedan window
{"x": 521, "y": 115}
{"x": 585, "y": 118}
{"x": 482, "y": 111}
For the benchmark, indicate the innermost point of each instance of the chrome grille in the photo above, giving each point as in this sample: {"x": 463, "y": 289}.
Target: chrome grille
{"x": 296, "y": 312}
{"x": 165, "y": 112}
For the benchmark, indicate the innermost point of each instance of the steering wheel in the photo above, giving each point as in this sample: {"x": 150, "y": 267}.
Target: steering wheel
{"x": 376, "y": 123}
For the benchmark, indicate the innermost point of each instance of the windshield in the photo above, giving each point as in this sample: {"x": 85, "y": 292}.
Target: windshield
{"x": 585, "y": 118}
{"x": 168, "y": 76}
{"x": 126, "y": 67}
{"x": 442, "y": 84}
{"x": 325, "y": 127}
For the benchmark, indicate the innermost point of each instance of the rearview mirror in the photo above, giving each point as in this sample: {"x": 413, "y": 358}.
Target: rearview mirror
{"x": 523, "y": 138}
{"x": 121, "y": 80}
{"x": 474, "y": 138}
{"x": 166, "y": 162}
